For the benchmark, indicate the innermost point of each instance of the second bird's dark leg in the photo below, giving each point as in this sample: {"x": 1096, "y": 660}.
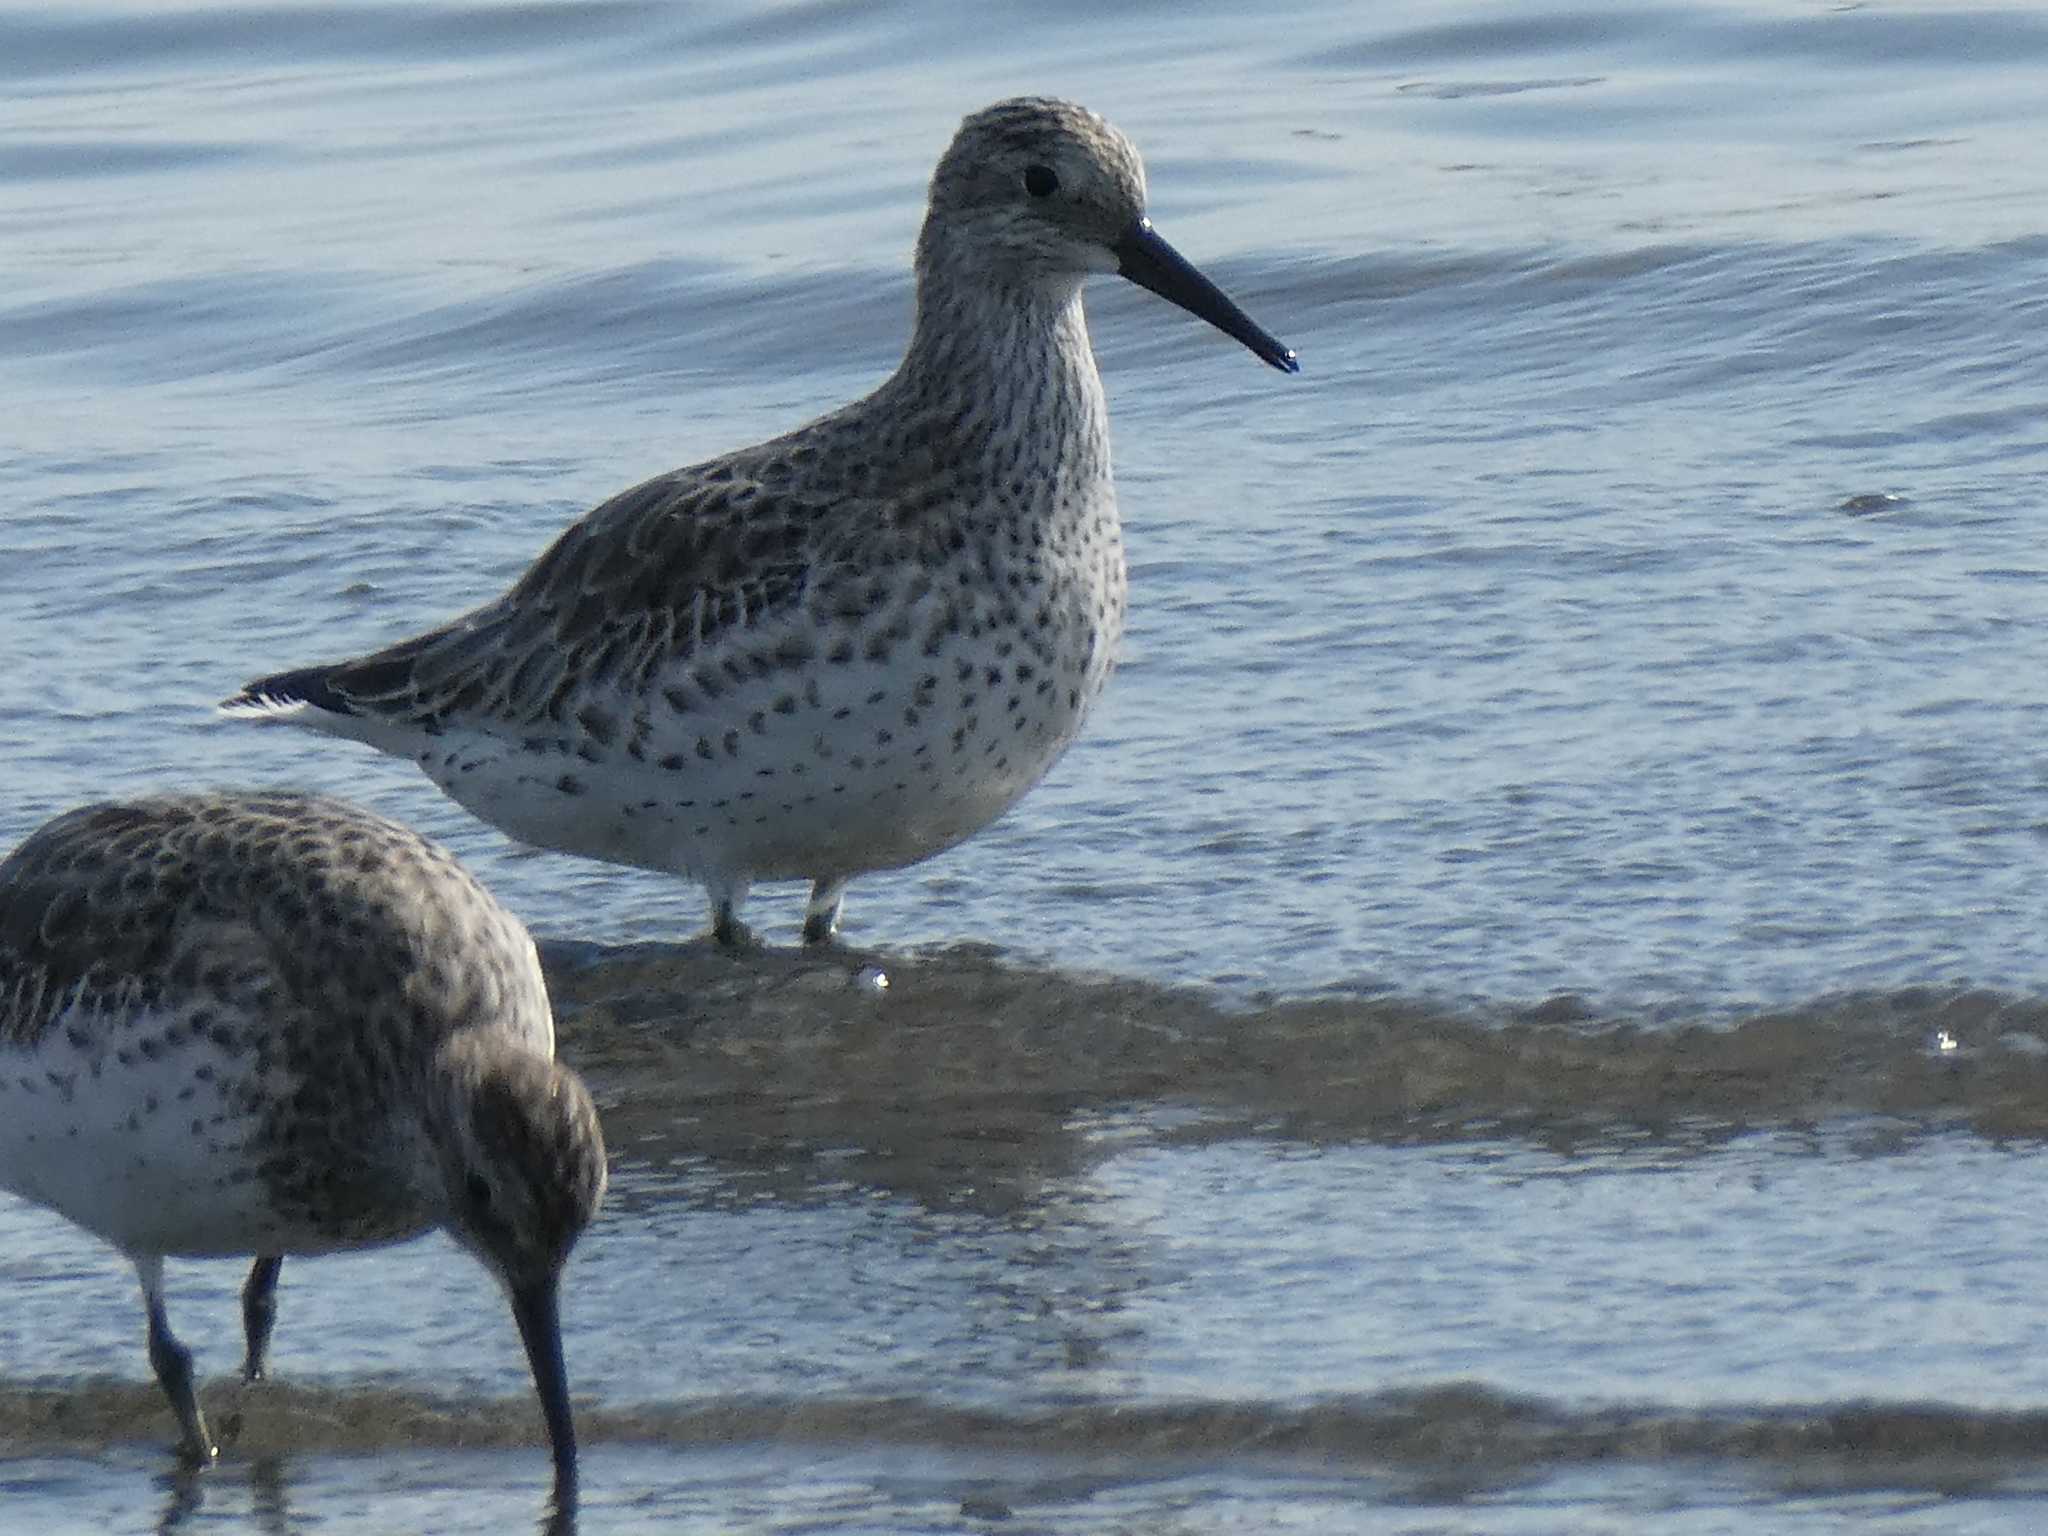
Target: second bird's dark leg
{"x": 259, "y": 1313}
{"x": 172, "y": 1363}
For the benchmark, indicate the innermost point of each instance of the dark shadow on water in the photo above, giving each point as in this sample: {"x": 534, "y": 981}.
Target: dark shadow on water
{"x": 184, "y": 1501}
{"x": 187, "y": 1488}
{"x": 560, "y": 1517}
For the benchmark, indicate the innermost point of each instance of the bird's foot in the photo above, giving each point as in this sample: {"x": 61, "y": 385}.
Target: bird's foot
{"x": 821, "y": 913}
{"x": 196, "y": 1453}
{"x": 732, "y": 935}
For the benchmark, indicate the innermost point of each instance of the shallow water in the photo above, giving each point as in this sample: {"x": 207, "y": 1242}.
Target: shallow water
{"x": 1525, "y": 1011}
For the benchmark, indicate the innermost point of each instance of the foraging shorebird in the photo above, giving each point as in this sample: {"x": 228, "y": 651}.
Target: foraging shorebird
{"x": 276, "y": 1024}
{"x": 847, "y": 648}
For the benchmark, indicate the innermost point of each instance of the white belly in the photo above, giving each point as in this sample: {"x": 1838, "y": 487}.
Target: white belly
{"x": 832, "y": 772}
{"x": 154, "y": 1153}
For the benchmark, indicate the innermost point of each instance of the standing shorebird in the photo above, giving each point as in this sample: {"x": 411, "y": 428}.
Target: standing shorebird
{"x": 847, "y": 648}
{"x": 276, "y": 1024}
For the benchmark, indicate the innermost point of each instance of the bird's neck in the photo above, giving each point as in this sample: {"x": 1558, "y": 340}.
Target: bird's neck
{"x": 1003, "y": 369}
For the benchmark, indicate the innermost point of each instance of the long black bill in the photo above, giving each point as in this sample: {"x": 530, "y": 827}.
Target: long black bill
{"x": 540, "y": 1325}
{"x": 1147, "y": 260}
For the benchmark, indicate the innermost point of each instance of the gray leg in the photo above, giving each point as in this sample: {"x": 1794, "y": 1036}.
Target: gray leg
{"x": 172, "y": 1363}
{"x": 259, "y": 1313}
{"x": 821, "y": 913}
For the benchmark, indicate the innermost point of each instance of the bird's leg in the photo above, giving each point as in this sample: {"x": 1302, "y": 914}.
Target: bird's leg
{"x": 259, "y": 1313}
{"x": 727, "y": 931}
{"x": 821, "y": 912}
{"x": 172, "y": 1363}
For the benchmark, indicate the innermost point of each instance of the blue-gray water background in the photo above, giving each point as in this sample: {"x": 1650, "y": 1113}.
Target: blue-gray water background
{"x": 1565, "y": 845}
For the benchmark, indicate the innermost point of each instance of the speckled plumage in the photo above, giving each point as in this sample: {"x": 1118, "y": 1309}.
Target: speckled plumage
{"x": 847, "y": 648}
{"x": 274, "y": 1023}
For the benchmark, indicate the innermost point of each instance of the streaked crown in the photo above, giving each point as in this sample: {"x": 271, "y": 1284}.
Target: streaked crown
{"x": 1036, "y": 187}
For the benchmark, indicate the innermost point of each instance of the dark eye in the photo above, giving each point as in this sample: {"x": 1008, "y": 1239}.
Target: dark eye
{"x": 1040, "y": 181}
{"x": 478, "y": 1188}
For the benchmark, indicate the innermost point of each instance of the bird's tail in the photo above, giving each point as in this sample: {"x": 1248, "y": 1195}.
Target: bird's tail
{"x": 375, "y": 698}
{"x": 289, "y": 696}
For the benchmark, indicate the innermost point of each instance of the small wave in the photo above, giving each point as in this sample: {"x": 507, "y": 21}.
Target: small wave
{"x": 669, "y": 1028}
{"x": 1434, "y": 1428}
